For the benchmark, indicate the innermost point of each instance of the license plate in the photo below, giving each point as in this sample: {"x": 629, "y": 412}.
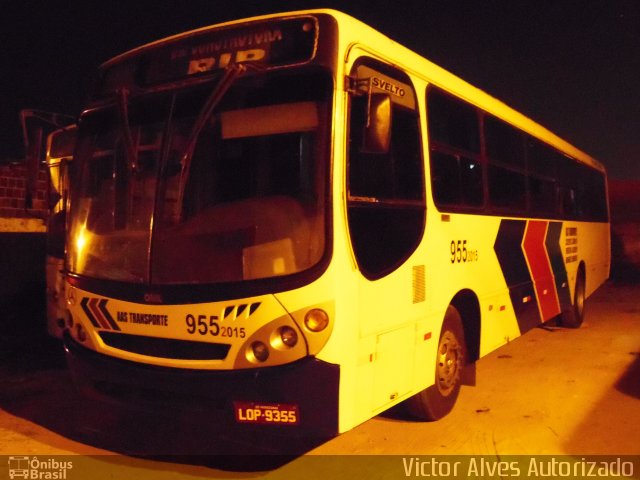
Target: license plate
{"x": 266, "y": 413}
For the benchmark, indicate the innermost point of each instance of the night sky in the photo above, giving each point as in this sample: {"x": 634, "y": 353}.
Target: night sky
{"x": 572, "y": 65}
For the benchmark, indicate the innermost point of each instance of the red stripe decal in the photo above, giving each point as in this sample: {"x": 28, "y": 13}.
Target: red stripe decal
{"x": 97, "y": 314}
{"x": 540, "y": 268}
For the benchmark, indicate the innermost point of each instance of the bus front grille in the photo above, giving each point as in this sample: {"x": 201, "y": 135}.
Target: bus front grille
{"x": 165, "y": 347}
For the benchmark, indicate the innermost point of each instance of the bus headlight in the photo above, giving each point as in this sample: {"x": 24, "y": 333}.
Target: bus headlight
{"x": 288, "y": 336}
{"x": 316, "y": 320}
{"x": 259, "y": 351}
{"x": 276, "y": 343}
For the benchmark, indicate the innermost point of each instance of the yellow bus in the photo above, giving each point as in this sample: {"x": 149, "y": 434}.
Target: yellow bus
{"x": 299, "y": 223}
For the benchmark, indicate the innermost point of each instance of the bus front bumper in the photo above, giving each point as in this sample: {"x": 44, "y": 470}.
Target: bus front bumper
{"x": 295, "y": 400}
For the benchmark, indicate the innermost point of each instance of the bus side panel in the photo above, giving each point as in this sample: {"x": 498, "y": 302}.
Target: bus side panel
{"x": 588, "y": 243}
{"x": 523, "y": 272}
{"x": 462, "y": 257}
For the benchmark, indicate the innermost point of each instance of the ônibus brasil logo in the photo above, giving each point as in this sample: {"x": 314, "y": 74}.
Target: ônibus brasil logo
{"x": 34, "y": 468}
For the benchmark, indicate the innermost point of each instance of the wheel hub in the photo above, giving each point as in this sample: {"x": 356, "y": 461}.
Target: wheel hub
{"x": 449, "y": 363}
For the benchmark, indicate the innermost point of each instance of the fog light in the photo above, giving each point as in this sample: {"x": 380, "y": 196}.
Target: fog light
{"x": 82, "y": 335}
{"x": 288, "y": 336}
{"x": 316, "y": 320}
{"x": 260, "y": 351}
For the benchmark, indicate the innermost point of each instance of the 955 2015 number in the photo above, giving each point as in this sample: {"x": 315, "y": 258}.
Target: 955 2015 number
{"x": 460, "y": 253}
{"x": 209, "y": 325}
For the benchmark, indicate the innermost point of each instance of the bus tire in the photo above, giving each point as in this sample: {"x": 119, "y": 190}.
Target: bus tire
{"x": 574, "y": 316}
{"x": 436, "y": 401}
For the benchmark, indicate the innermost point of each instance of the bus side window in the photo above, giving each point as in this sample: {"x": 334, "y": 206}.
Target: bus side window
{"x": 583, "y": 192}
{"x": 452, "y": 122}
{"x": 456, "y": 180}
{"x": 507, "y": 174}
{"x": 454, "y": 141}
{"x": 542, "y": 176}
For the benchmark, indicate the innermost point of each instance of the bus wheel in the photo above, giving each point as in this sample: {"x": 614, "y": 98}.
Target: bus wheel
{"x": 436, "y": 401}
{"x": 573, "y": 317}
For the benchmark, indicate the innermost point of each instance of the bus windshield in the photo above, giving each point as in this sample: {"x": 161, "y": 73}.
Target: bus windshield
{"x": 246, "y": 202}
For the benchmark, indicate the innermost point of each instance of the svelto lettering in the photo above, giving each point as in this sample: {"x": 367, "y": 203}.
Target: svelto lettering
{"x": 388, "y": 87}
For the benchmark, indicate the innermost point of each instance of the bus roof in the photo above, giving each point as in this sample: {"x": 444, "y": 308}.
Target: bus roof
{"x": 410, "y": 61}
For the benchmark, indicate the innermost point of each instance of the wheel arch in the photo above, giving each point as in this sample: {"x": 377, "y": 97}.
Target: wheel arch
{"x": 582, "y": 270}
{"x": 580, "y": 276}
{"x": 573, "y": 316}
{"x": 468, "y": 305}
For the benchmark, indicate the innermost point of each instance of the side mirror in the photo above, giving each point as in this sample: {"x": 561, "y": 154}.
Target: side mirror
{"x": 377, "y": 131}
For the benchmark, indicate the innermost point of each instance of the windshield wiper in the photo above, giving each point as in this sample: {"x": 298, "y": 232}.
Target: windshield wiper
{"x": 230, "y": 74}
{"x": 123, "y": 112}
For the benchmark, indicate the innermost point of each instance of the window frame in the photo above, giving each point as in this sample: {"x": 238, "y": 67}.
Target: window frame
{"x": 380, "y": 209}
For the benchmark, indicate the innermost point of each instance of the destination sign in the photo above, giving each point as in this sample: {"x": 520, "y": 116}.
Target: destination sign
{"x": 266, "y": 44}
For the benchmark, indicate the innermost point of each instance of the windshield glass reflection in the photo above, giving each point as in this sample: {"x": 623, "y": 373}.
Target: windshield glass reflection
{"x": 251, "y": 206}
